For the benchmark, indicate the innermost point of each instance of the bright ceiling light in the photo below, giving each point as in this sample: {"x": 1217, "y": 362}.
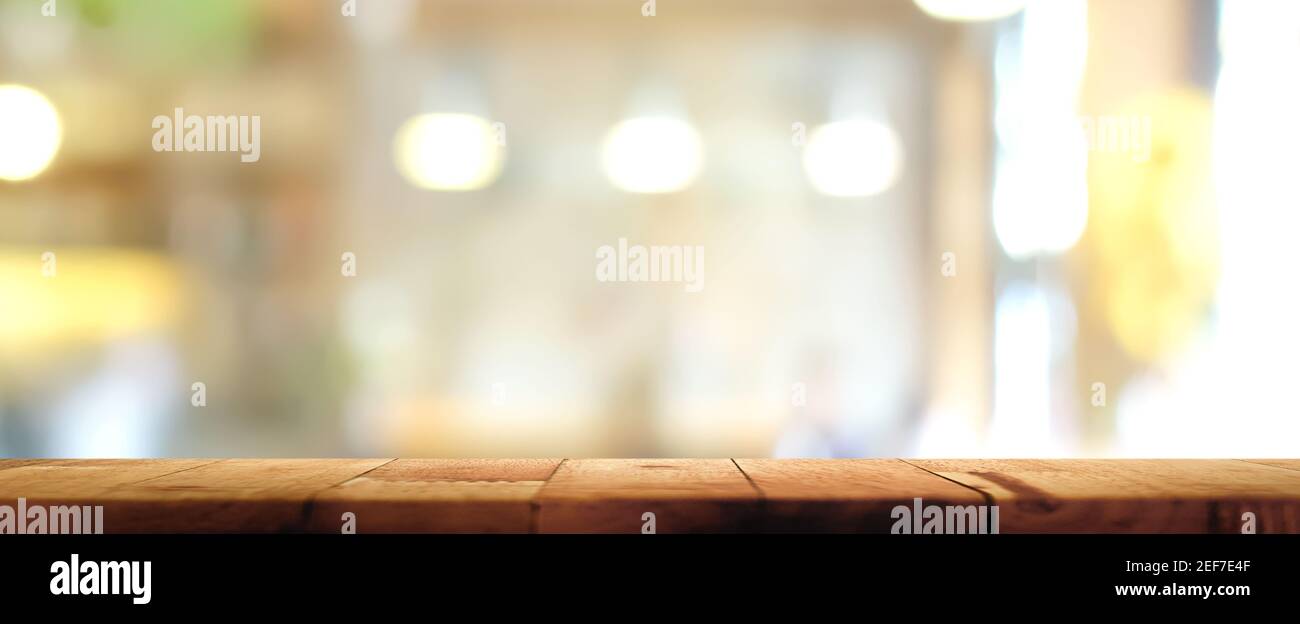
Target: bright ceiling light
{"x": 652, "y": 155}
{"x": 448, "y": 152}
{"x": 854, "y": 158}
{"x": 971, "y": 10}
{"x": 30, "y": 133}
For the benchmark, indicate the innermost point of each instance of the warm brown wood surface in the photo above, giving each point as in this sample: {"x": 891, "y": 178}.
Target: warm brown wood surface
{"x": 685, "y": 495}
{"x": 801, "y": 495}
{"x": 1132, "y": 495}
{"x": 1291, "y": 464}
{"x": 612, "y": 495}
{"x": 437, "y": 496}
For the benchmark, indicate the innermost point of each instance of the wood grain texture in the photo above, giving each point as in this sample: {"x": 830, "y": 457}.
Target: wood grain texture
{"x": 1131, "y": 496}
{"x": 73, "y": 480}
{"x": 612, "y": 495}
{"x": 86, "y": 482}
{"x": 230, "y": 495}
{"x": 845, "y": 495}
{"x": 437, "y": 496}
{"x": 18, "y": 463}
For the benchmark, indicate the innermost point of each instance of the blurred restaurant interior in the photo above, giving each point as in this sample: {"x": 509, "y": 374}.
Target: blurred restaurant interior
{"x": 1021, "y": 228}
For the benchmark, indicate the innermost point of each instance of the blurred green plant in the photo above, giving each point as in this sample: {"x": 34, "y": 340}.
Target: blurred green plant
{"x": 173, "y": 35}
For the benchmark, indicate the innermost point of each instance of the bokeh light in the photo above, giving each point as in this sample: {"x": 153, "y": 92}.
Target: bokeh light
{"x": 98, "y": 295}
{"x": 971, "y": 10}
{"x": 449, "y": 152}
{"x": 1154, "y": 254}
{"x": 652, "y": 155}
{"x": 856, "y": 158}
{"x": 30, "y": 132}
{"x": 1040, "y": 199}
{"x": 1040, "y": 189}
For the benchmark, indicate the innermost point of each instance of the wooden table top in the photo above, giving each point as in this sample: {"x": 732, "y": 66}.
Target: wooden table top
{"x": 685, "y": 495}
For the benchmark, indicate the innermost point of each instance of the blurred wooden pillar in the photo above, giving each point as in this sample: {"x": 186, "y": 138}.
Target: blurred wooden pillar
{"x": 1143, "y": 47}
{"x": 961, "y": 309}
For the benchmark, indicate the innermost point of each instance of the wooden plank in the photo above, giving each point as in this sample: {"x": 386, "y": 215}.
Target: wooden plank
{"x": 845, "y": 496}
{"x": 1131, "y": 496}
{"x": 91, "y": 482}
{"x": 18, "y": 463}
{"x": 437, "y": 496}
{"x": 231, "y": 495}
{"x": 612, "y": 496}
{"x": 83, "y": 481}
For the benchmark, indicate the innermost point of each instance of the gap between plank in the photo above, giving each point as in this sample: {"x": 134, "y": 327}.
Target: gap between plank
{"x": 988, "y": 498}
{"x": 762, "y": 498}
{"x": 535, "y": 503}
{"x": 174, "y": 472}
{"x": 309, "y": 505}
{"x": 1256, "y": 463}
